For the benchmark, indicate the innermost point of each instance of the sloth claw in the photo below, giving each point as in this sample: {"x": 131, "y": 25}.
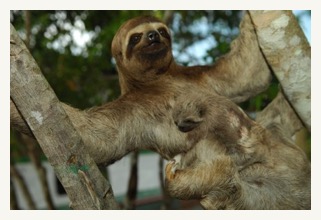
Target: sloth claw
{"x": 170, "y": 170}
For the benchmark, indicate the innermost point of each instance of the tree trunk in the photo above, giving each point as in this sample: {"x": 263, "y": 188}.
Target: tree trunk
{"x": 288, "y": 53}
{"x": 39, "y": 106}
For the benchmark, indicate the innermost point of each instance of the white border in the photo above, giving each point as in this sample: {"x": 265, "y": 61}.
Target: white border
{"x": 160, "y": 5}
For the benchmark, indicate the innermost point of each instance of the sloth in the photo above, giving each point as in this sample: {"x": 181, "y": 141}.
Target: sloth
{"x": 150, "y": 81}
{"x": 142, "y": 48}
{"x": 236, "y": 163}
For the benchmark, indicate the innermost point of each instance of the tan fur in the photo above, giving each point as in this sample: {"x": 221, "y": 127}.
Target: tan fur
{"x": 236, "y": 163}
{"x": 229, "y": 76}
{"x": 141, "y": 117}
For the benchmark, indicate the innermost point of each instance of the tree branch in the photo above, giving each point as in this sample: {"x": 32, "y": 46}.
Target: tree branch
{"x": 289, "y": 55}
{"x": 55, "y": 133}
{"x": 280, "y": 113}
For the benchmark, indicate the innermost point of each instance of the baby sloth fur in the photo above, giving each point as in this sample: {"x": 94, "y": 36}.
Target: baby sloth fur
{"x": 236, "y": 163}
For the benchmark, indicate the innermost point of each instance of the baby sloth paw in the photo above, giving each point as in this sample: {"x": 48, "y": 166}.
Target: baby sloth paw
{"x": 172, "y": 166}
{"x": 170, "y": 170}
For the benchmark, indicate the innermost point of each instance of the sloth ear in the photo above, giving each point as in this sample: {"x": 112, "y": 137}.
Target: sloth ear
{"x": 188, "y": 124}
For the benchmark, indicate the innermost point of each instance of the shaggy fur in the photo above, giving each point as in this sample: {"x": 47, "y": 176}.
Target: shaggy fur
{"x": 142, "y": 60}
{"x": 150, "y": 82}
{"x": 236, "y": 163}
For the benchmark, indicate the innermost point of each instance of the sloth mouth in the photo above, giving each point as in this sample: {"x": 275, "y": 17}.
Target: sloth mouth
{"x": 153, "y": 42}
{"x": 154, "y": 51}
{"x": 154, "y": 46}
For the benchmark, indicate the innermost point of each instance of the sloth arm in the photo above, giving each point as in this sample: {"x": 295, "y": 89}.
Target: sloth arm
{"x": 134, "y": 121}
{"x": 243, "y": 72}
{"x": 213, "y": 178}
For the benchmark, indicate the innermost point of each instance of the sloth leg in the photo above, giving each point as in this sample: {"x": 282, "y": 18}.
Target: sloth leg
{"x": 197, "y": 181}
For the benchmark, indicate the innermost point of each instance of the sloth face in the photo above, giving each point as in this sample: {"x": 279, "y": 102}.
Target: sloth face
{"x": 188, "y": 115}
{"x": 142, "y": 47}
{"x": 148, "y": 42}
{"x": 148, "y": 46}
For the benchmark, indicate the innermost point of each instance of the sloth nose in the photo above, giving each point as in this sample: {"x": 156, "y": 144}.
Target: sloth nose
{"x": 153, "y": 35}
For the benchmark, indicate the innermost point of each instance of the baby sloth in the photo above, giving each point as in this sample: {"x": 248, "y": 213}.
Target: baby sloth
{"x": 235, "y": 163}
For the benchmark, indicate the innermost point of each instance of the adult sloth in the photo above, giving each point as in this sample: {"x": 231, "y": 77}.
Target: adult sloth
{"x": 142, "y": 48}
{"x": 150, "y": 81}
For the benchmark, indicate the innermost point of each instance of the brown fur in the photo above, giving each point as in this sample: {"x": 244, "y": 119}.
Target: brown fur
{"x": 236, "y": 163}
{"x": 151, "y": 80}
{"x": 146, "y": 63}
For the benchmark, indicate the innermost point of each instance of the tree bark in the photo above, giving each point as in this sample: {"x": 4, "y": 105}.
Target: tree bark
{"x": 288, "y": 53}
{"x": 279, "y": 112}
{"x": 42, "y": 111}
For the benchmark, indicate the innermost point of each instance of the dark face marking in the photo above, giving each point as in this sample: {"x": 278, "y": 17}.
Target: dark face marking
{"x": 163, "y": 32}
{"x": 149, "y": 46}
{"x": 123, "y": 30}
{"x": 133, "y": 41}
{"x": 135, "y": 38}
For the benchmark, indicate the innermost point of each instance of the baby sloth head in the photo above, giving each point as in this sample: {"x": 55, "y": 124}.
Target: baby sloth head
{"x": 210, "y": 116}
{"x": 188, "y": 115}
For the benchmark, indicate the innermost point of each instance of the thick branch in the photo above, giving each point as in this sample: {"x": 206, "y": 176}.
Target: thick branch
{"x": 289, "y": 55}
{"x": 46, "y": 118}
{"x": 280, "y": 113}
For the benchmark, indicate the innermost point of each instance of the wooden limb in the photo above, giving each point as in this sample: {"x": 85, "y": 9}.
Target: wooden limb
{"x": 288, "y": 53}
{"x": 54, "y": 131}
{"x": 17, "y": 122}
{"x": 280, "y": 113}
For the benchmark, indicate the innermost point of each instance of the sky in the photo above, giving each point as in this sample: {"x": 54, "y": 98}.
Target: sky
{"x": 305, "y": 23}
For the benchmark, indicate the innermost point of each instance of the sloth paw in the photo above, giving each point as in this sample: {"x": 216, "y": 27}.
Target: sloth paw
{"x": 172, "y": 166}
{"x": 170, "y": 170}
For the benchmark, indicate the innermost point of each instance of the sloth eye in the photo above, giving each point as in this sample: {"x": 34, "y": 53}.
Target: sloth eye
{"x": 163, "y": 32}
{"x": 135, "y": 38}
